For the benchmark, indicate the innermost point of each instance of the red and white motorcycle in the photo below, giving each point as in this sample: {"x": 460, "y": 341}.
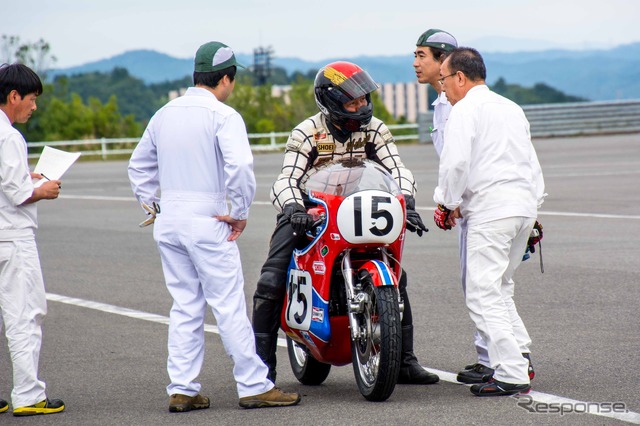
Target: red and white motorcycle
{"x": 343, "y": 304}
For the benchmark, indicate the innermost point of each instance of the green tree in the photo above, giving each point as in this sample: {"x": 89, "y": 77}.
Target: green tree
{"x": 540, "y": 93}
{"x": 58, "y": 119}
{"x": 133, "y": 96}
{"x": 36, "y": 56}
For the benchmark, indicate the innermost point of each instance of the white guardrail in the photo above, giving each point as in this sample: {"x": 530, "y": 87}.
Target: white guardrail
{"x": 124, "y": 146}
{"x": 549, "y": 120}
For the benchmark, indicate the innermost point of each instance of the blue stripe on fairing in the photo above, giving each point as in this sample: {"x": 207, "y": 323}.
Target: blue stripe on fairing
{"x": 322, "y": 330}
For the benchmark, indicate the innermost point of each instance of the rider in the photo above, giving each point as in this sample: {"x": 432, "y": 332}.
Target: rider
{"x": 344, "y": 128}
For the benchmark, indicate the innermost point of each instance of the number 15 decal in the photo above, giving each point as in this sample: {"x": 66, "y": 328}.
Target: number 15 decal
{"x": 299, "y": 297}
{"x": 370, "y": 217}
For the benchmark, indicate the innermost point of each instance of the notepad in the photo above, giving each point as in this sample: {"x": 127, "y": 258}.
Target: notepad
{"x": 53, "y": 163}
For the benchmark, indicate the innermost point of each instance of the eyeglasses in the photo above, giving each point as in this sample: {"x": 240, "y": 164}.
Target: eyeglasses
{"x": 441, "y": 81}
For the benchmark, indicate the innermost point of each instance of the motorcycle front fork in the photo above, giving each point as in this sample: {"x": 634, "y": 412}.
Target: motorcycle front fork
{"x": 357, "y": 300}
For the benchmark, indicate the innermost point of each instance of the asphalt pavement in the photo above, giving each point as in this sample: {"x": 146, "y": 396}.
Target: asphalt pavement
{"x": 104, "y": 349}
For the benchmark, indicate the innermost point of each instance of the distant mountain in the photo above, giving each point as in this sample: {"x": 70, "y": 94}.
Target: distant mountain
{"x": 599, "y": 74}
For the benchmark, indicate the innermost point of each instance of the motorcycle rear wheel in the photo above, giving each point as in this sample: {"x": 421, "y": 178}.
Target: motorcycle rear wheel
{"x": 307, "y": 369}
{"x": 376, "y": 355}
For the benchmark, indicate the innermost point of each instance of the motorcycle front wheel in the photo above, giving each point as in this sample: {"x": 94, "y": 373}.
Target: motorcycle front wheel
{"x": 307, "y": 369}
{"x": 376, "y": 354}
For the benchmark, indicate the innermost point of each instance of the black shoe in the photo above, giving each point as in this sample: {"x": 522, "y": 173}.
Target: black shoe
{"x": 415, "y": 374}
{"x": 4, "y": 405}
{"x": 475, "y": 373}
{"x": 48, "y": 406}
{"x": 530, "y": 370}
{"x": 497, "y": 388}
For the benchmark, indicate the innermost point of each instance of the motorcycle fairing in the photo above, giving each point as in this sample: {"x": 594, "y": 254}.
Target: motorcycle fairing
{"x": 321, "y": 229}
{"x": 299, "y": 315}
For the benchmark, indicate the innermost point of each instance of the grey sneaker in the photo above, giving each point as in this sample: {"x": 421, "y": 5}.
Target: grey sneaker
{"x": 179, "y": 403}
{"x": 273, "y": 398}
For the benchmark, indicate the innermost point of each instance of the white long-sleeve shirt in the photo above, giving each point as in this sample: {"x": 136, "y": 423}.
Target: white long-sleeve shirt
{"x": 489, "y": 167}
{"x": 441, "y": 111}
{"x": 195, "y": 143}
{"x": 17, "y": 221}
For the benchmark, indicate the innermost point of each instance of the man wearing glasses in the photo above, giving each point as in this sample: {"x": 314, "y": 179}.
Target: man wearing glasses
{"x": 490, "y": 176}
{"x": 431, "y": 49}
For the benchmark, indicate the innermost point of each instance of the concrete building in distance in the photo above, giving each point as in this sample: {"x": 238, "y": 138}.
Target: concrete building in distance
{"x": 406, "y": 99}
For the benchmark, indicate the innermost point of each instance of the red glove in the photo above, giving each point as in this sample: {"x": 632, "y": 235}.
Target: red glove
{"x": 535, "y": 237}
{"x": 440, "y": 216}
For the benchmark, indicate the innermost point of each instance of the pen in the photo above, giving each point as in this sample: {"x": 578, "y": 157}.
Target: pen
{"x": 42, "y": 174}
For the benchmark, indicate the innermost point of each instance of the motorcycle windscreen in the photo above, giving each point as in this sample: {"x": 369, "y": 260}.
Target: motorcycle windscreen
{"x": 346, "y": 177}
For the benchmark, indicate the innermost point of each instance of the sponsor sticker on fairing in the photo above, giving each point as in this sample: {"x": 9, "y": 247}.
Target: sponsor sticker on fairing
{"x": 319, "y": 268}
{"x": 317, "y": 314}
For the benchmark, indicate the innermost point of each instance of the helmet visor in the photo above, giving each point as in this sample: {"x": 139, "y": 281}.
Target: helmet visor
{"x": 357, "y": 85}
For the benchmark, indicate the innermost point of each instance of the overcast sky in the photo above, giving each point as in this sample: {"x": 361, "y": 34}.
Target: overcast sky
{"x": 84, "y": 31}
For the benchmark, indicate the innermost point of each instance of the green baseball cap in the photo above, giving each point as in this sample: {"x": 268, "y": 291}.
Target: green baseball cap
{"x": 438, "y": 39}
{"x": 214, "y": 56}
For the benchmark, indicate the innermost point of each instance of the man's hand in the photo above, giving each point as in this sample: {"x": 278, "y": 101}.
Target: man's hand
{"x": 535, "y": 237}
{"x": 441, "y": 217}
{"x": 47, "y": 191}
{"x": 237, "y": 226}
{"x": 298, "y": 217}
{"x": 152, "y": 210}
{"x": 414, "y": 221}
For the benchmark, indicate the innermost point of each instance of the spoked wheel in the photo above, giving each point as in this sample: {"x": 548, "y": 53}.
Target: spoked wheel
{"x": 307, "y": 369}
{"x": 376, "y": 353}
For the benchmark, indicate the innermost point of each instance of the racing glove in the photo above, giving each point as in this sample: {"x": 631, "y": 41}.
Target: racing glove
{"x": 440, "y": 216}
{"x": 298, "y": 217}
{"x": 414, "y": 221}
{"x": 535, "y": 237}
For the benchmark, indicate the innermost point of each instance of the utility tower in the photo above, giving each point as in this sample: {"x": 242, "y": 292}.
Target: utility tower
{"x": 262, "y": 64}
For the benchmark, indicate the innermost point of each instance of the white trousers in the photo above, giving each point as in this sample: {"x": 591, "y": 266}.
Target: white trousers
{"x": 201, "y": 267}
{"x": 494, "y": 252}
{"x": 23, "y": 305}
{"x": 481, "y": 346}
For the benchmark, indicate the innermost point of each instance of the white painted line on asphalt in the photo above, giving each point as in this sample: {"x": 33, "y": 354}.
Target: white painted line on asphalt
{"x": 557, "y": 402}
{"x": 112, "y": 309}
{"x": 570, "y": 214}
{"x": 267, "y": 203}
{"x": 594, "y": 215}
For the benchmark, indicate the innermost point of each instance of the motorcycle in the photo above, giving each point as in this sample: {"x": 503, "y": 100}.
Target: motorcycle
{"x": 342, "y": 303}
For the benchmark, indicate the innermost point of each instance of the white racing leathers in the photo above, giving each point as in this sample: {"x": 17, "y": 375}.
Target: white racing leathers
{"x": 311, "y": 144}
{"x": 194, "y": 155}
{"x": 490, "y": 170}
{"x": 23, "y": 304}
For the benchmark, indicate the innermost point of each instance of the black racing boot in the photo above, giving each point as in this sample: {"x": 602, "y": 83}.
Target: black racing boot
{"x": 266, "y": 345}
{"x": 411, "y": 372}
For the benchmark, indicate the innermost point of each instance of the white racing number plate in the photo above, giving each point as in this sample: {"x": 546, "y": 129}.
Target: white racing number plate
{"x": 370, "y": 217}
{"x": 298, "y": 314}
